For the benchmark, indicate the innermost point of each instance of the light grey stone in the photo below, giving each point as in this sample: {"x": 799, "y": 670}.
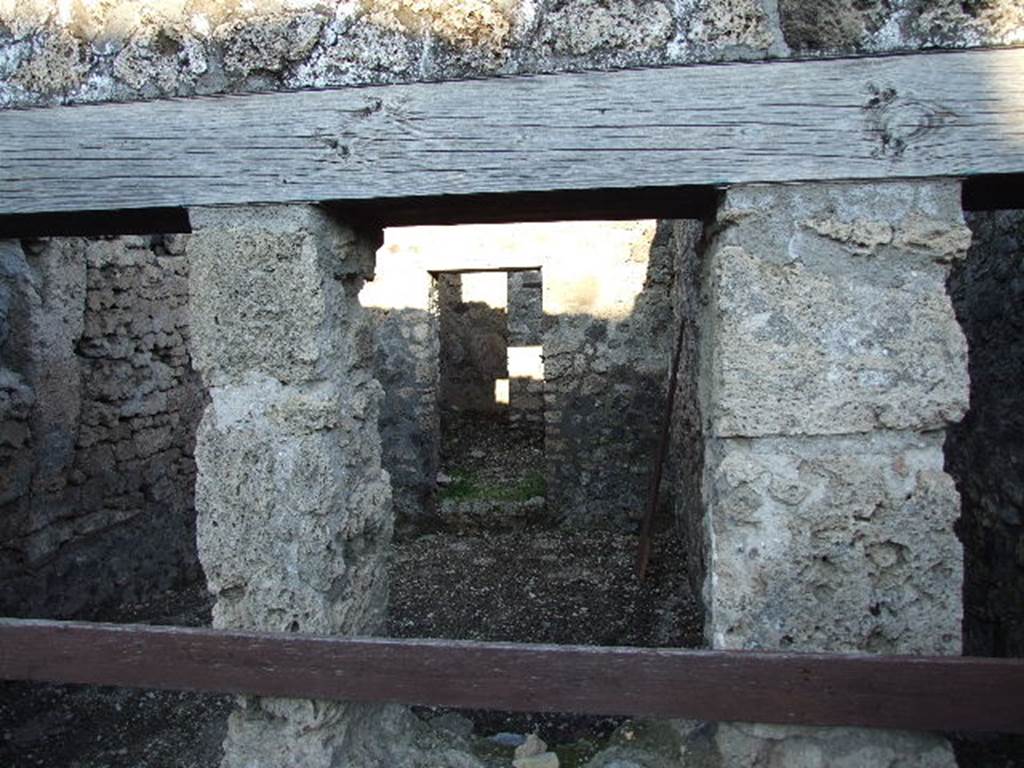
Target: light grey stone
{"x": 533, "y": 746}
{"x": 833, "y": 544}
{"x": 267, "y": 282}
{"x": 824, "y": 362}
{"x": 294, "y": 510}
{"x": 829, "y": 311}
{"x": 542, "y": 760}
{"x": 738, "y": 745}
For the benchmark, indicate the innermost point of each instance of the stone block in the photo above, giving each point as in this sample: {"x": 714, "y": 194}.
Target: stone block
{"x": 833, "y": 544}
{"x": 278, "y": 473}
{"x": 739, "y": 745}
{"x": 828, "y": 312}
{"x": 269, "y": 284}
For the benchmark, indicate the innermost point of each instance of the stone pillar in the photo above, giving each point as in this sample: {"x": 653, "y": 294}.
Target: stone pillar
{"x": 294, "y": 510}
{"x": 830, "y": 365}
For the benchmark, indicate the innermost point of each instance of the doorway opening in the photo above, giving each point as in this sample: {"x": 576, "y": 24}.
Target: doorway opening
{"x": 533, "y": 366}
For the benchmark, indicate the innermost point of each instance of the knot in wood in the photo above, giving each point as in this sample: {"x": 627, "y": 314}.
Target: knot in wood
{"x": 895, "y": 122}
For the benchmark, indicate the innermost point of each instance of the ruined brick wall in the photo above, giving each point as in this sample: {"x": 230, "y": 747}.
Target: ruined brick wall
{"x": 985, "y": 452}
{"x": 97, "y": 433}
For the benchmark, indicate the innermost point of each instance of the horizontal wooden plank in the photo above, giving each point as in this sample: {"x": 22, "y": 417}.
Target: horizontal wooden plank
{"x": 943, "y": 693}
{"x": 922, "y": 115}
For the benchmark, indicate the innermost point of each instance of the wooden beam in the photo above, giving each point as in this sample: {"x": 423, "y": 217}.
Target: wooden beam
{"x": 922, "y": 115}
{"x": 942, "y": 693}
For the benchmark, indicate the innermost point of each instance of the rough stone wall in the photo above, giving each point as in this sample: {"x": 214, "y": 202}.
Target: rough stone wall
{"x": 605, "y": 373}
{"x": 474, "y": 348}
{"x": 606, "y": 349}
{"x": 401, "y": 305}
{"x": 686, "y": 469}
{"x": 54, "y": 52}
{"x": 294, "y": 510}
{"x": 407, "y": 352}
{"x": 985, "y": 452}
{"x": 98, "y": 407}
{"x": 525, "y": 307}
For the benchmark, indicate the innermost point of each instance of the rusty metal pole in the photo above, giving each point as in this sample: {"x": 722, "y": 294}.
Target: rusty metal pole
{"x": 644, "y": 552}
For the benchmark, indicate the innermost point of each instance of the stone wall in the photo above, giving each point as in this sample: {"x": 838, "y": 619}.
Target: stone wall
{"x": 406, "y": 365}
{"x": 607, "y": 348}
{"x": 593, "y": 295}
{"x": 474, "y": 345}
{"x": 685, "y": 471}
{"x": 99, "y": 407}
{"x": 985, "y": 452}
{"x": 833, "y": 364}
{"x": 401, "y": 306}
{"x": 526, "y": 337}
{"x": 52, "y": 52}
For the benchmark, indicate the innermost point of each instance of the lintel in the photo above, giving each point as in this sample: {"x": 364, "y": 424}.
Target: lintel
{"x": 958, "y": 114}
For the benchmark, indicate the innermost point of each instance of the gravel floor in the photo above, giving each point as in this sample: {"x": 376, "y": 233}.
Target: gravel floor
{"x": 542, "y": 585}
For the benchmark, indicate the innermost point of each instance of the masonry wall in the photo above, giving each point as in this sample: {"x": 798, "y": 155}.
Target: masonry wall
{"x": 98, "y": 408}
{"x": 985, "y": 452}
{"x": 594, "y": 295}
{"x": 526, "y": 329}
{"x": 607, "y": 347}
{"x": 686, "y": 470}
{"x": 474, "y": 347}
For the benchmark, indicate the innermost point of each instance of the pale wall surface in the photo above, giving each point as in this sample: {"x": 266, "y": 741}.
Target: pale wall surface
{"x": 294, "y": 510}
{"x": 828, "y": 363}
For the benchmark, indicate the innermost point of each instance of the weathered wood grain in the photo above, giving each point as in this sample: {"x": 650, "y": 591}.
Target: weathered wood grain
{"x": 928, "y": 114}
{"x": 882, "y": 691}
